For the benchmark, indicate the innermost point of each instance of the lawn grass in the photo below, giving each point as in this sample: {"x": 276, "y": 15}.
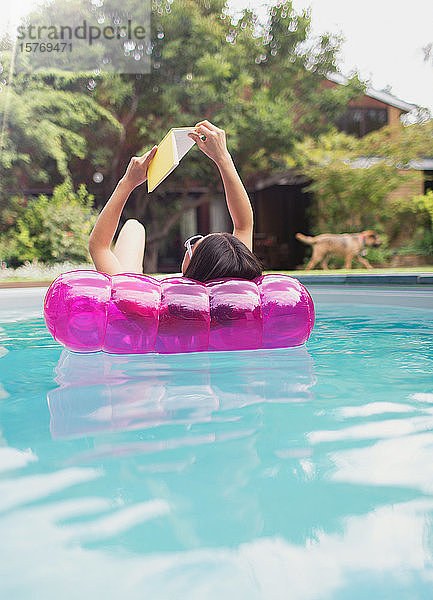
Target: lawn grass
{"x": 29, "y": 278}
{"x": 17, "y": 279}
{"x": 381, "y": 271}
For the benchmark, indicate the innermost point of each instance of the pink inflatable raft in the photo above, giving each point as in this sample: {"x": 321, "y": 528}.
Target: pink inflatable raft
{"x": 88, "y": 311}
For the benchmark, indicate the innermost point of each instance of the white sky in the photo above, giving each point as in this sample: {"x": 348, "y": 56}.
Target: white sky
{"x": 384, "y": 39}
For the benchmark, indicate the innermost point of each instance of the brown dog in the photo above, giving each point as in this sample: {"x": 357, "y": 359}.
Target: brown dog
{"x": 348, "y": 245}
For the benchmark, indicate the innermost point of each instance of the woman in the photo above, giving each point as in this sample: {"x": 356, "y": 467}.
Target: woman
{"x": 206, "y": 257}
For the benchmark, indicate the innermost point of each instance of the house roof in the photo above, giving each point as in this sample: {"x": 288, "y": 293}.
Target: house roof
{"x": 420, "y": 164}
{"x": 294, "y": 177}
{"x": 381, "y": 95}
{"x": 288, "y": 177}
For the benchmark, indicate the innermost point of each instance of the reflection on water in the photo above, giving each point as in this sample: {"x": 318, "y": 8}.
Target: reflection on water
{"x": 103, "y": 393}
{"x": 245, "y": 475}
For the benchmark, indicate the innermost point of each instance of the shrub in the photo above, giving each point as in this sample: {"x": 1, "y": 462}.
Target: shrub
{"x": 352, "y": 180}
{"x": 416, "y": 214}
{"x": 422, "y": 243}
{"x": 52, "y": 229}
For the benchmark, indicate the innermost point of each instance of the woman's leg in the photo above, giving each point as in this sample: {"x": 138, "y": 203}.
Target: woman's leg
{"x": 129, "y": 247}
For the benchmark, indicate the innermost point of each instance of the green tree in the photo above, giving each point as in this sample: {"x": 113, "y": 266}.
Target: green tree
{"x": 47, "y": 129}
{"x": 262, "y": 82}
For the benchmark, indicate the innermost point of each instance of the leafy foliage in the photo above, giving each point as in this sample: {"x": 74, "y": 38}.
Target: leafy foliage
{"x": 417, "y": 216}
{"x": 262, "y": 83}
{"x": 49, "y": 229}
{"x": 352, "y": 179}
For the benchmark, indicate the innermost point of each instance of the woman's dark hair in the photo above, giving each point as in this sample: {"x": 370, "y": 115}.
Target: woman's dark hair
{"x": 222, "y": 255}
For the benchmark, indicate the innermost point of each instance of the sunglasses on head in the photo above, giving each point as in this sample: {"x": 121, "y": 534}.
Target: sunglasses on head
{"x": 190, "y": 243}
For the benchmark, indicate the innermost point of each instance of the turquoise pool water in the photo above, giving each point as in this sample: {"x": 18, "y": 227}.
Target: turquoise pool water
{"x": 301, "y": 473}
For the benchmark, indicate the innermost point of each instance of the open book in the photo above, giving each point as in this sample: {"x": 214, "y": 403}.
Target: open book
{"x": 170, "y": 151}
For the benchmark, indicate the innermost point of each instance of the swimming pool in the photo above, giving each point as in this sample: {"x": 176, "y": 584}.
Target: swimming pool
{"x": 302, "y": 473}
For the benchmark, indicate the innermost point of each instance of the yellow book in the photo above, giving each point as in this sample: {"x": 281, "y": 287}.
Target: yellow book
{"x": 170, "y": 151}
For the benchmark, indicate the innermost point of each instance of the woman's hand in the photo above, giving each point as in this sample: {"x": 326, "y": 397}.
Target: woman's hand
{"x": 237, "y": 199}
{"x": 214, "y": 145}
{"x": 136, "y": 172}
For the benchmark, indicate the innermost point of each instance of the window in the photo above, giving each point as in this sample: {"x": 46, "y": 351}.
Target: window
{"x": 359, "y": 121}
{"x": 428, "y": 181}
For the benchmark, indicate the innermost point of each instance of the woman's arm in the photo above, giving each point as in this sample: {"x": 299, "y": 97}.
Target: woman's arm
{"x": 237, "y": 199}
{"x": 108, "y": 220}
